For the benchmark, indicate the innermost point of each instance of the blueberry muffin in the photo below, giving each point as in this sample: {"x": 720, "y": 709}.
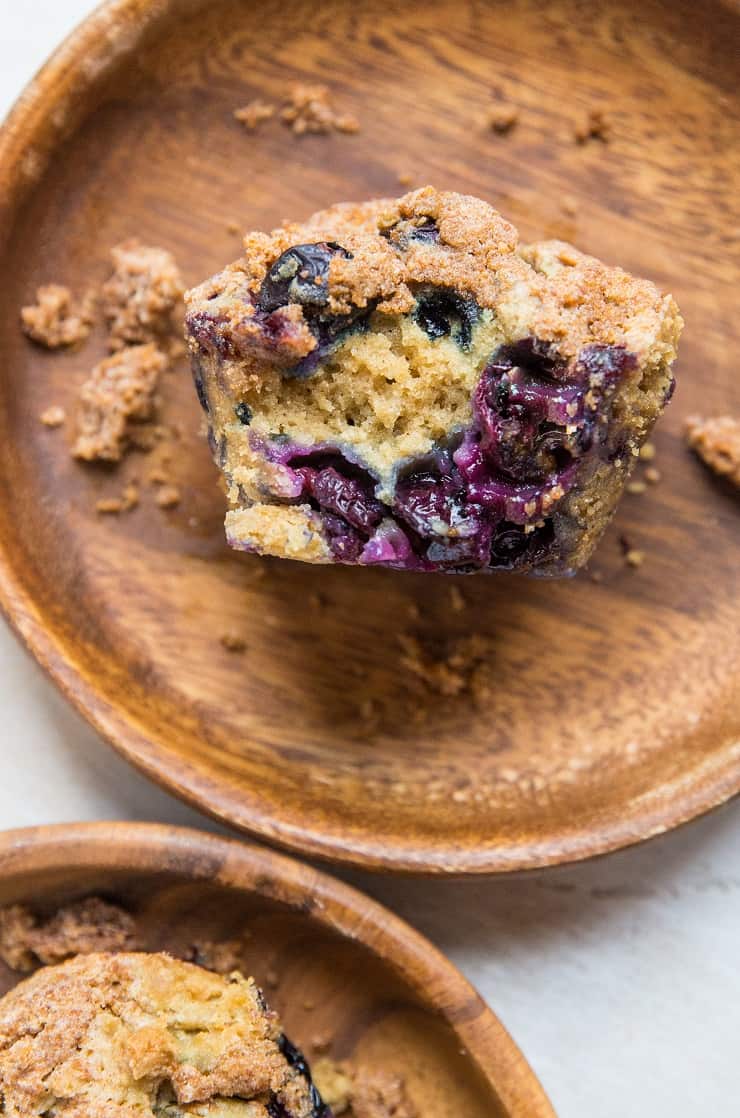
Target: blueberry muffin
{"x": 402, "y": 384}
{"x": 145, "y": 1035}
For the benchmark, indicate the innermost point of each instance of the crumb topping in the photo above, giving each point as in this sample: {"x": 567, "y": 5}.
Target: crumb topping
{"x": 254, "y": 113}
{"x": 53, "y": 416}
{"x": 120, "y": 391}
{"x": 55, "y": 319}
{"x": 717, "y": 443}
{"x": 141, "y": 295}
{"x": 549, "y": 290}
{"x": 310, "y": 108}
{"x": 81, "y": 928}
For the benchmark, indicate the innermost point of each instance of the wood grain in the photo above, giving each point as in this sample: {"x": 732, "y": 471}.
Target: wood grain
{"x": 346, "y": 968}
{"x": 614, "y": 707}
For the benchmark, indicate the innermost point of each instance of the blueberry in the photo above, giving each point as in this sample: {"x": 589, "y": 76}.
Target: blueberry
{"x": 512, "y": 546}
{"x": 297, "y": 1060}
{"x": 603, "y": 364}
{"x": 427, "y": 502}
{"x": 300, "y": 275}
{"x": 244, "y": 413}
{"x": 200, "y": 388}
{"x": 427, "y": 231}
{"x": 442, "y": 312}
{"x": 345, "y": 542}
{"x": 347, "y": 498}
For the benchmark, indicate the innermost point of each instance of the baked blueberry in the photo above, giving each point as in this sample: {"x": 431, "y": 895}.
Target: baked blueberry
{"x": 425, "y": 393}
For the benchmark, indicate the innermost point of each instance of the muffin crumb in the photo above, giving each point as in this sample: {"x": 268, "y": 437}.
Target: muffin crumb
{"x": 717, "y": 443}
{"x": 254, "y": 113}
{"x": 652, "y": 476}
{"x": 594, "y": 127}
{"x": 450, "y": 674}
{"x": 140, "y": 297}
{"x": 128, "y": 500}
{"x": 358, "y": 1093}
{"x": 119, "y": 391}
{"x": 55, "y": 319}
{"x": 53, "y": 416}
{"x": 168, "y": 497}
{"x": 457, "y": 599}
{"x": 503, "y": 120}
{"x": 81, "y": 928}
{"x": 405, "y": 178}
{"x": 635, "y": 487}
{"x": 233, "y": 643}
{"x": 309, "y": 109}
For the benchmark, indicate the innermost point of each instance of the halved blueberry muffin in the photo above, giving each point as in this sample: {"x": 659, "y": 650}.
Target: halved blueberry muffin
{"x": 142, "y": 1034}
{"x": 400, "y": 383}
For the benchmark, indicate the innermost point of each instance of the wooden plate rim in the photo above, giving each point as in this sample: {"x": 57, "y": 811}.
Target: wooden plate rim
{"x": 29, "y": 120}
{"x": 245, "y": 866}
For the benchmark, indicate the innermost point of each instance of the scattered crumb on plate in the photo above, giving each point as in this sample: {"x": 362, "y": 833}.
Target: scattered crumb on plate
{"x": 647, "y": 452}
{"x": 405, "y": 178}
{"x": 361, "y": 1094}
{"x": 119, "y": 391}
{"x": 254, "y": 113}
{"x": 457, "y": 599}
{"x": 128, "y": 500}
{"x": 717, "y": 442}
{"x": 80, "y": 928}
{"x": 141, "y": 295}
{"x": 232, "y": 642}
{"x": 310, "y": 109}
{"x": 168, "y": 496}
{"x": 55, "y": 319}
{"x": 503, "y": 119}
{"x": 450, "y": 673}
{"x": 652, "y": 476}
{"x": 594, "y": 127}
{"x": 569, "y": 205}
{"x": 53, "y": 416}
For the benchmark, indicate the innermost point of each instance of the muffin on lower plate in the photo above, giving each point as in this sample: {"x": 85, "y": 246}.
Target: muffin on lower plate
{"x": 144, "y": 1035}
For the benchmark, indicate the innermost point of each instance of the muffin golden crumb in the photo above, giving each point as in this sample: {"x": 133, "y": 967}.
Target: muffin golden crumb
{"x": 119, "y": 392}
{"x": 85, "y": 927}
{"x": 105, "y": 1035}
{"x": 141, "y": 295}
{"x": 717, "y": 443}
{"x": 56, "y": 319}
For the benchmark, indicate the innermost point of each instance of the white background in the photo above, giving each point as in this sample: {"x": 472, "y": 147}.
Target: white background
{"x": 619, "y": 979}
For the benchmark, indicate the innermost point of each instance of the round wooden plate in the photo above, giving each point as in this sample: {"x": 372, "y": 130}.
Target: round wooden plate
{"x": 613, "y": 707}
{"x": 346, "y": 969}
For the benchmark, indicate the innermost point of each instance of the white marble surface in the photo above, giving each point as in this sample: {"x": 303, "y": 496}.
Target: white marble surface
{"x": 619, "y": 979}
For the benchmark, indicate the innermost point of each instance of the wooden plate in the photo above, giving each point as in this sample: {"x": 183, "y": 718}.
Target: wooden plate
{"x": 613, "y": 707}
{"x": 346, "y": 968}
